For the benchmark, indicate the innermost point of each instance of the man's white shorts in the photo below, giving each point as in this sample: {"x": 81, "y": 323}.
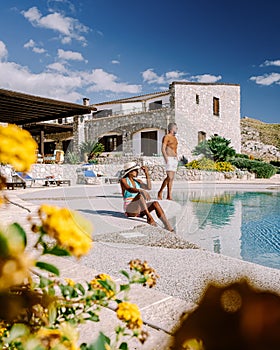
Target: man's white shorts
{"x": 171, "y": 164}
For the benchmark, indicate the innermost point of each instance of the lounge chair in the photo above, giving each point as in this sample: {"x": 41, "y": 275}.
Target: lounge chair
{"x": 19, "y": 177}
{"x": 87, "y": 176}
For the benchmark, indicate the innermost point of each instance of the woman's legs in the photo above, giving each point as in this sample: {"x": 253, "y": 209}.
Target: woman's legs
{"x": 139, "y": 206}
{"x": 160, "y": 214}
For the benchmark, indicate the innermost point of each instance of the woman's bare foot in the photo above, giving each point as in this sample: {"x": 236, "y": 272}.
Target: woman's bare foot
{"x": 159, "y": 195}
{"x": 169, "y": 198}
{"x": 169, "y": 228}
{"x": 151, "y": 222}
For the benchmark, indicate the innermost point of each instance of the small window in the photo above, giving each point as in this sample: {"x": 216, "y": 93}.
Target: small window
{"x": 201, "y": 136}
{"x": 197, "y": 99}
{"x": 216, "y": 106}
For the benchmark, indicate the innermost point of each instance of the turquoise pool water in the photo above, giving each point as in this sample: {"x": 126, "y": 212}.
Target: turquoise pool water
{"x": 244, "y": 225}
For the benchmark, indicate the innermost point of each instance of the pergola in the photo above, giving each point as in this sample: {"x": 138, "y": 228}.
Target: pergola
{"x": 30, "y": 111}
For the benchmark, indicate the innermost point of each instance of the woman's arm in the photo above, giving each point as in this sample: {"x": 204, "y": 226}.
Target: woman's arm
{"x": 148, "y": 185}
{"x": 126, "y": 187}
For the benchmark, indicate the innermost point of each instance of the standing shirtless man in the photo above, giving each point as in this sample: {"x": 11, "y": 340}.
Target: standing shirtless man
{"x": 169, "y": 152}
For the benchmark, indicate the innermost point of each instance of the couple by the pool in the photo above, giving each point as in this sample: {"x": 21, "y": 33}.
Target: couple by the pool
{"x": 137, "y": 201}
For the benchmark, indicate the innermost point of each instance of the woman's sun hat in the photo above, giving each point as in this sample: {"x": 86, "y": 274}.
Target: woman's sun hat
{"x": 128, "y": 167}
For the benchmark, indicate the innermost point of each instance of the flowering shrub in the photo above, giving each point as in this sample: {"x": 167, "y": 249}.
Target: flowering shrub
{"x": 209, "y": 165}
{"x": 202, "y": 164}
{"x": 39, "y": 310}
{"x": 224, "y": 166}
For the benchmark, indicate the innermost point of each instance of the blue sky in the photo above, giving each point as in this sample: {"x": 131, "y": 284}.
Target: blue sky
{"x": 109, "y": 49}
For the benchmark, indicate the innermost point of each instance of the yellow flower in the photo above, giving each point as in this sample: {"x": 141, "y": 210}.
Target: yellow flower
{"x": 69, "y": 228}
{"x": 130, "y": 314}
{"x": 2, "y": 329}
{"x": 70, "y": 282}
{"x": 95, "y": 283}
{"x": 17, "y": 147}
{"x": 193, "y": 344}
{"x": 14, "y": 270}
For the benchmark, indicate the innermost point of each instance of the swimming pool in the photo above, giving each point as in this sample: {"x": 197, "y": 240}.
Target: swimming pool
{"x": 240, "y": 224}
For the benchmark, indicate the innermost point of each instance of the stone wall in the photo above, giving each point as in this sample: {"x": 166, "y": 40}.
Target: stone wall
{"x": 157, "y": 172}
{"x": 194, "y": 114}
{"x": 127, "y": 125}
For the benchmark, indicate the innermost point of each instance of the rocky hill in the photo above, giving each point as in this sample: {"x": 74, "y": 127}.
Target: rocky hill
{"x": 259, "y": 139}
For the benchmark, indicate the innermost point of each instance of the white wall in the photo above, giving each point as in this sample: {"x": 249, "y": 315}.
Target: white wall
{"x": 192, "y": 117}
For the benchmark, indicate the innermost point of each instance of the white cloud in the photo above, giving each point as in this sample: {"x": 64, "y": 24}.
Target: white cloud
{"x": 38, "y": 50}
{"x": 70, "y": 55}
{"x": 115, "y": 62}
{"x": 58, "y": 82}
{"x": 173, "y": 75}
{"x": 104, "y": 81}
{"x": 271, "y": 63}
{"x": 68, "y": 27}
{"x": 3, "y": 51}
{"x": 29, "y": 44}
{"x": 267, "y": 79}
{"x": 150, "y": 77}
{"x": 32, "y": 45}
{"x": 206, "y": 78}
{"x": 57, "y": 66}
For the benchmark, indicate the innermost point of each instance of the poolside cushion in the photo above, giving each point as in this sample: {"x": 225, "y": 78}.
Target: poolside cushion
{"x": 89, "y": 173}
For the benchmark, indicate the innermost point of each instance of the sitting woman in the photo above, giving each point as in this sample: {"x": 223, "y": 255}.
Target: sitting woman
{"x": 137, "y": 201}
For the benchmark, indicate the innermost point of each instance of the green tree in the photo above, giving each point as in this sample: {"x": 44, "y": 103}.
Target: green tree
{"x": 216, "y": 148}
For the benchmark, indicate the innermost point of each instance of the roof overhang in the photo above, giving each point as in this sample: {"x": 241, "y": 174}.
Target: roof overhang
{"x": 48, "y": 128}
{"x": 18, "y": 108}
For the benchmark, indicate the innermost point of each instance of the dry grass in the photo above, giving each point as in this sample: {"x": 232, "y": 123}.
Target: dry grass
{"x": 269, "y": 133}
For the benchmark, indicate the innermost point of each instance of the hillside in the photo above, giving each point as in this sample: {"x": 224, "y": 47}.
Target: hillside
{"x": 260, "y": 139}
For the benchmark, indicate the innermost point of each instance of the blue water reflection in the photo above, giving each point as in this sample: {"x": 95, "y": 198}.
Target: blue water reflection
{"x": 244, "y": 225}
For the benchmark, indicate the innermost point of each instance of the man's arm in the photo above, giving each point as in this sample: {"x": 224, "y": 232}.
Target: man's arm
{"x": 164, "y": 148}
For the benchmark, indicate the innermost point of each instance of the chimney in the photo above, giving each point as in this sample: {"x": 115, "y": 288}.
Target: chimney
{"x": 86, "y": 101}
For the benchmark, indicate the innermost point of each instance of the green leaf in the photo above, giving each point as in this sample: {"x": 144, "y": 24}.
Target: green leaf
{"x": 48, "y": 267}
{"x": 124, "y": 287}
{"x": 126, "y": 274}
{"x": 17, "y": 330}
{"x": 123, "y": 346}
{"x": 4, "y": 250}
{"x": 16, "y": 228}
{"x": 44, "y": 282}
{"x": 100, "y": 342}
{"x": 80, "y": 288}
{"x": 52, "y": 313}
{"x": 56, "y": 251}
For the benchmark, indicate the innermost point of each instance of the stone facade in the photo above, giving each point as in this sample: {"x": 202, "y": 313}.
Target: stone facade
{"x": 191, "y": 106}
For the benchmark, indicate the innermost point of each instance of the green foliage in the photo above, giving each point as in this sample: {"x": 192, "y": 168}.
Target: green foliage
{"x": 202, "y": 164}
{"x": 241, "y": 155}
{"x": 72, "y": 158}
{"x": 209, "y": 165}
{"x": 216, "y": 148}
{"x": 224, "y": 167}
{"x": 261, "y": 169}
{"x": 94, "y": 149}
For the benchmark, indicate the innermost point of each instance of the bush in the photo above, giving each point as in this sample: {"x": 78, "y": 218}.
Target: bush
{"x": 261, "y": 169}
{"x": 275, "y": 163}
{"x": 224, "y": 166}
{"x": 216, "y": 148}
{"x": 210, "y": 165}
{"x": 202, "y": 164}
{"x": 241, "y": 155}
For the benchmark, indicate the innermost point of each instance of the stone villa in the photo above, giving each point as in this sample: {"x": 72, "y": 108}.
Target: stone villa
{"x": 135, "y": 126}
